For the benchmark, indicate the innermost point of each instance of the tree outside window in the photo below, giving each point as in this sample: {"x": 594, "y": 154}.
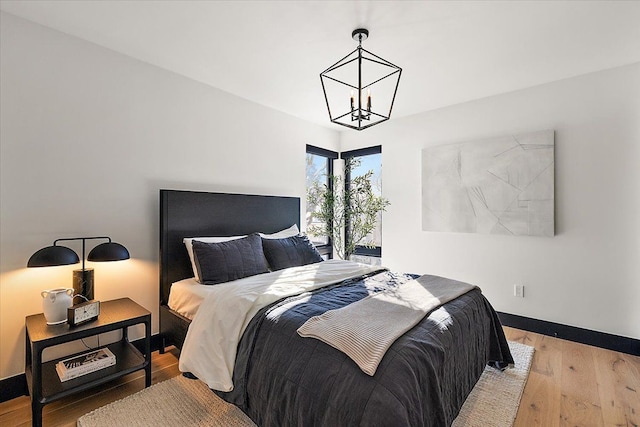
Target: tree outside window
{"x": 369, "y": 159}
{"x": 319, "y": 167}
{"x": 371, "y": 162}
{"x": 356, "y": 210}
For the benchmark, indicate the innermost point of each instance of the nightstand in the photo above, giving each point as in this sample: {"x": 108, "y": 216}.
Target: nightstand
{"x": 43, "y": 381}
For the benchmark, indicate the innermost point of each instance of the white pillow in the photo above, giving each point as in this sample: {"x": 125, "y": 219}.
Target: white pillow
{"x": 188, "y": 242}
{"x": 282, "y": 234}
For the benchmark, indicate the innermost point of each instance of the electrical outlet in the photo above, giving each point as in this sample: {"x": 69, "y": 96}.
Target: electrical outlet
{"x": 518, "y": 291}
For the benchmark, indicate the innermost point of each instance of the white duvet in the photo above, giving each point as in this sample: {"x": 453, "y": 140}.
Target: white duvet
{"x": 209, "y": 350}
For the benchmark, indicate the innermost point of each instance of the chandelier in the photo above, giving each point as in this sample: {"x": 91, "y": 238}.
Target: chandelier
{"x": 361, "y": 87}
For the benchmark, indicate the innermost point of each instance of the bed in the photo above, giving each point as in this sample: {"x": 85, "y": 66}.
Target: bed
{"x": 192, "y": 213}
{"x": 278, "y": 377}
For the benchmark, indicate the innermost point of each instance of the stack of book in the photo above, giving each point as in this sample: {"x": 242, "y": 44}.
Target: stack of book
{"x": 86, "y": 363}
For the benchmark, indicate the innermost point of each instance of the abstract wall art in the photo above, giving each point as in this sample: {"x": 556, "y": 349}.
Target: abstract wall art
{"x": 502, "y": 185}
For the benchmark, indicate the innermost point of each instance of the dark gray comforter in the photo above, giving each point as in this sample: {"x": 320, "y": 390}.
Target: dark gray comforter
{"x": 282, "y": 379}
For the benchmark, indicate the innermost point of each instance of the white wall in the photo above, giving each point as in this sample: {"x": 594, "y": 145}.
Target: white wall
{"x": 89, "y": 136}
{"x": 588, "y": 275}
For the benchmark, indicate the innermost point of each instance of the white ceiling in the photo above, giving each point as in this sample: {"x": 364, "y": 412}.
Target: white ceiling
{"x": 272, "y": 52}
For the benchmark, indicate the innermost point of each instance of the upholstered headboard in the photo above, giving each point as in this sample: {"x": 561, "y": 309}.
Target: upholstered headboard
{"x": 200, "y": 214}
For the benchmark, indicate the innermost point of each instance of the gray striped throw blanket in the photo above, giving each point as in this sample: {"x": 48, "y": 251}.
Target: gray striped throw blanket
{"x": 365, "y": 329}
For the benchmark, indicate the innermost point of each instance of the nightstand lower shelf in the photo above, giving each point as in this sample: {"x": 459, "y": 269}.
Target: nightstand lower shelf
{"x": 128, "y": 360}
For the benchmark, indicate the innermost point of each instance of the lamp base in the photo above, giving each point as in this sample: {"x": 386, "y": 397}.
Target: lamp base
{"x": 83, "y": 283}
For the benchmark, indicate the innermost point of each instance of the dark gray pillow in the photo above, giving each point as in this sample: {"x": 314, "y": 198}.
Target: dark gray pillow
{"x": 290, "y": 252}
{"x": 232, "y": 260}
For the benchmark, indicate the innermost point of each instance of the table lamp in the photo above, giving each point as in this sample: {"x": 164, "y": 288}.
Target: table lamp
{"x": 83, "y": 278}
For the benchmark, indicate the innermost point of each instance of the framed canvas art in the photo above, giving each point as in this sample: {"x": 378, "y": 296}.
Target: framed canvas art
{"x": 502, "y": 185}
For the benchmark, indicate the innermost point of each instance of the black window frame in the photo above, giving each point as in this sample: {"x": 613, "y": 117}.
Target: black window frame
{"x": 326, "y": 249}
{"x": 345, "y": 155}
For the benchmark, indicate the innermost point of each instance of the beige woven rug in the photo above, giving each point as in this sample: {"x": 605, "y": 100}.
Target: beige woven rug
{"x": 179, "y": 401}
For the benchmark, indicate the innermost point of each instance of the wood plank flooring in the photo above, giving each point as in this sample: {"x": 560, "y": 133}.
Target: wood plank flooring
{"x": 570, "y": 384}
{"x": 573, "y": 384}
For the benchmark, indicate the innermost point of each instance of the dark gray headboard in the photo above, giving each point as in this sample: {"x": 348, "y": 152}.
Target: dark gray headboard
{"x": 192, "y": 214}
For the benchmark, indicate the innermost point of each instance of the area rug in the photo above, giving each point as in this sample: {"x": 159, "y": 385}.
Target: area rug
{"x": 493, "y": 402}
{"x": 495, "y": 399}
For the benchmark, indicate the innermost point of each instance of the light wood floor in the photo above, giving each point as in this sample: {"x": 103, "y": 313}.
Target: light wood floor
{"x": 573, "y": 384}
{"x": 570, "y": 384}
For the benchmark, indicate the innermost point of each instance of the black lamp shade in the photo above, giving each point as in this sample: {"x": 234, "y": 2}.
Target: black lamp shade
{"x": 110, "y": 251}
{"x": 52, "y": 256}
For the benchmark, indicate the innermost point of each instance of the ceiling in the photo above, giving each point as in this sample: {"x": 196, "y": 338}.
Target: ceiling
{"x": 271, "y": 52}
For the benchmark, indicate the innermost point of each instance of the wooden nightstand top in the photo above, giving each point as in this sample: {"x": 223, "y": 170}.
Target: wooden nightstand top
{"x": 111, "y": 312}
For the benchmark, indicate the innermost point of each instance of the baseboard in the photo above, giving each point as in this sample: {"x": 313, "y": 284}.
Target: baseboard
{"x": 155, "y": 343}
{"x": 16, "y": 386}
{"x": 572, "y": 333}
{"x": 13, "y": 387}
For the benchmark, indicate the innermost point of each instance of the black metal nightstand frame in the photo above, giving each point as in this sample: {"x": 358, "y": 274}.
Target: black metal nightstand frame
{"x": 44, "y": 384}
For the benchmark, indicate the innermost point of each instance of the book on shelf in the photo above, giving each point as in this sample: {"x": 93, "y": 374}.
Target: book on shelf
{"x": 85, "y": 363}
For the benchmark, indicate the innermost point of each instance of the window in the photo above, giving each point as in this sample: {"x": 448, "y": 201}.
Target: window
{"x": 319, "y": 168}
{"x": 370, "y": 160}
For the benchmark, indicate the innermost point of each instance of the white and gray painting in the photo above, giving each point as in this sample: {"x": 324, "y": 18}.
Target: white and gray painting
{"x": 496, "y": 186}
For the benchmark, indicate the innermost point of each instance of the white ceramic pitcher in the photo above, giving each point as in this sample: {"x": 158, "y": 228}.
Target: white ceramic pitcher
{"x": 55, "y": 303}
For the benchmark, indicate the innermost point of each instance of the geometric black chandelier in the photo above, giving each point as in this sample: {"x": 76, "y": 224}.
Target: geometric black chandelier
{"x": 352, "y": 84}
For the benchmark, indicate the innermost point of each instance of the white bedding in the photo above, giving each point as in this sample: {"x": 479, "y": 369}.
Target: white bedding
{"x": 187, "y": 295}
{"x": 209, "y": 350}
